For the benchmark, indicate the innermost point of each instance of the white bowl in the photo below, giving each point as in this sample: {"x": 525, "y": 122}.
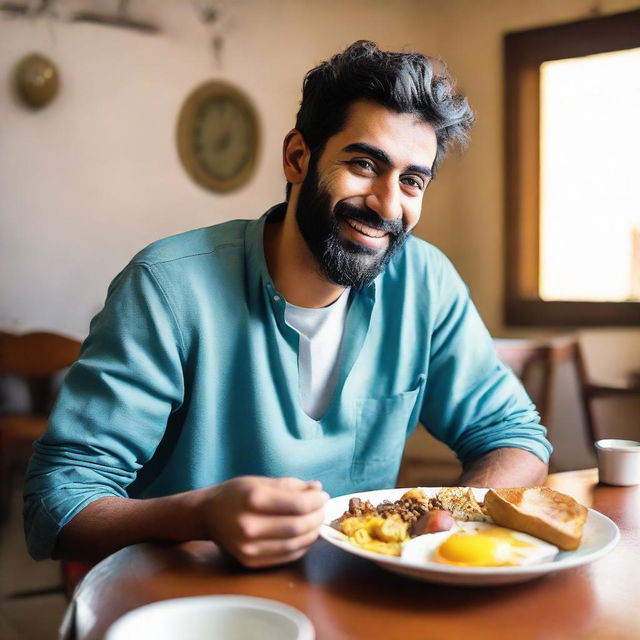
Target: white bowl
{"x": 225, "y": 617}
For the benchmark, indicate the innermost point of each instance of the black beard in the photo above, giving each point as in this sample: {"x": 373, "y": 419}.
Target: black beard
{"x": 343, "y": 262}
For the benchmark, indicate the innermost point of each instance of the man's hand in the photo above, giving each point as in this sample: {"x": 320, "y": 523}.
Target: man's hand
{"x": 263, "y": 521}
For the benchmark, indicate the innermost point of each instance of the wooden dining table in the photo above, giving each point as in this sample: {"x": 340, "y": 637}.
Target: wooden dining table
{"x": 349, "y": 597}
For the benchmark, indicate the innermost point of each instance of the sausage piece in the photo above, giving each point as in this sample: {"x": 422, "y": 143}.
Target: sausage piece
{"x": 432, "y": 522}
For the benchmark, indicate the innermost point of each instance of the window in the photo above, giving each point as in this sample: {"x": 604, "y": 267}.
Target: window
{"x": 573, "y": 173}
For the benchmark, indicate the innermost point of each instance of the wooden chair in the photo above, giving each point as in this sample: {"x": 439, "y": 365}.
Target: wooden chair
{"x": 608, "y": 368}
{"x": 31, "y": 368}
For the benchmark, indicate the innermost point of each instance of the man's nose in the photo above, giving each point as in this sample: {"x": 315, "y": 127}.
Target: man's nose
{"x": 384, "y": 199}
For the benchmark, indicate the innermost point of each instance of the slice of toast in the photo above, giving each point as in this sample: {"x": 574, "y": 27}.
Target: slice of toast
{"x": 539, "y": 511}
{"x": 461, "y": 503}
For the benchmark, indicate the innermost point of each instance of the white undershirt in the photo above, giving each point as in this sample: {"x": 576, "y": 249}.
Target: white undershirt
{"x": 320, "y": 332}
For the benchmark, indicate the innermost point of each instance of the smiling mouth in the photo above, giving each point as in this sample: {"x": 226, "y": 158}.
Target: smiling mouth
{"x": 364, "y": 229}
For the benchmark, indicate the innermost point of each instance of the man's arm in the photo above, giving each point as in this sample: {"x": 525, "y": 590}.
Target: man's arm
{"x": 505, "y": 467}
{"x": 473, "y": 402}
{"x": 261, "y": 521}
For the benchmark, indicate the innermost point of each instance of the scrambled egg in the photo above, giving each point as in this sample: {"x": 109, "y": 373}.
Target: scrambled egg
{"x": 377, "y": 534}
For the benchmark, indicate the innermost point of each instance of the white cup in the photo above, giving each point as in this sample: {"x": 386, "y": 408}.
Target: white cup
{"x": 618, "y": 462}
{"x": 223, "y": 617}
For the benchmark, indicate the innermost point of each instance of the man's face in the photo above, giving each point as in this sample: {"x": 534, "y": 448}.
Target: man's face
{"x": 363, "y": 196}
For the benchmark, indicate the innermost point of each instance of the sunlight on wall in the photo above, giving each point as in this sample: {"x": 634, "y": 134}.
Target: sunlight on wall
{"x": 589, "y": 192}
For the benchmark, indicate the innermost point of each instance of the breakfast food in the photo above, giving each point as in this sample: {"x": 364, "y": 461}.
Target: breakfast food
{"x": 383, "y": 528}
{"x": 409, "y": 507}
{"x": 479, "y": 544}
{"x": 377, "y": 534}
{"x": 431, "y": 522}
{"x": 540, "y": 512}
{"x": 461, "y": 503}
{"x": 510, "y": 527}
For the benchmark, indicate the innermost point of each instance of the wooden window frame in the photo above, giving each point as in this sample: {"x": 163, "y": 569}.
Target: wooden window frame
{"x": 524, "y": 52}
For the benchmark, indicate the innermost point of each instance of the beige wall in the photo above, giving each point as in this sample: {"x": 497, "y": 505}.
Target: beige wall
{"x": 91, "y": 179}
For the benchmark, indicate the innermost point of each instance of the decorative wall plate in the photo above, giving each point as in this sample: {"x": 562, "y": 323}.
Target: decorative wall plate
{"x": 36, "y": 80}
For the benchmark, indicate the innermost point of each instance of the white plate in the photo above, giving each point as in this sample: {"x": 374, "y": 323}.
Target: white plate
{"x": 600, "y": 536}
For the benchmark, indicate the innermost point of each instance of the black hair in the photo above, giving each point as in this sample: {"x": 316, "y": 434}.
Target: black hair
{"x": 404, "y": 82}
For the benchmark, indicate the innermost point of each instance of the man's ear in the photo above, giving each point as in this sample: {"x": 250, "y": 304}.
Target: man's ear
{"x": 295, "y": 157}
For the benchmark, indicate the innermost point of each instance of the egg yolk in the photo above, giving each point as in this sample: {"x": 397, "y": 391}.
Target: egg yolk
{"x": 491, "y": 547}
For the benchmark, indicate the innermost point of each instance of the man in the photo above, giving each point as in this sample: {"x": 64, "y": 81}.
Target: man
{"x": 239, "y": 374}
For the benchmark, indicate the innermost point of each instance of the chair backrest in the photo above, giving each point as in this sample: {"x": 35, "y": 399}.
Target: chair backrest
{"x": 608, "y": 368}
{"x": 36, "y": 354}
{"x": 37, "y": 357}
{"x": 609, "y": 356}
{"x": 534, "y": 362}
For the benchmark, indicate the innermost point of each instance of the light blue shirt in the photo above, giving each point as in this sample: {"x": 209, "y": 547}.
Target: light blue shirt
{"x": 189, "y": 376}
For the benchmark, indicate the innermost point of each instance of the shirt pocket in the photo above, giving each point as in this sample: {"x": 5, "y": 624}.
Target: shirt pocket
{"x": 381, "y": 431}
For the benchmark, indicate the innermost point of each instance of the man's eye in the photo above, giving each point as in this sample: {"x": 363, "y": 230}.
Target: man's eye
{"x": 361, "y": 163}
{"x": 411, "y": 181}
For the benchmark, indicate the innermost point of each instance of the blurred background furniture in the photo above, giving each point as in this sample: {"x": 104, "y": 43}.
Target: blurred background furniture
{"x": 32, "y": 367}
{"x": 608, "y": 367}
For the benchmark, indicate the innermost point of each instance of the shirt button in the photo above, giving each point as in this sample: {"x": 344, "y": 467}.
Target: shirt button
{"x": 276, "y": 298}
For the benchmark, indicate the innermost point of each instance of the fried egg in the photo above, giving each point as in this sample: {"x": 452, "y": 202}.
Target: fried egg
{"x": 479, "y": 544}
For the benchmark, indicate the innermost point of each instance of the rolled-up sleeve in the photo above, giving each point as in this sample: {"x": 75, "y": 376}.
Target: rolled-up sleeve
{"x": 474, "y": 403}
{"x": 112, "y": 410}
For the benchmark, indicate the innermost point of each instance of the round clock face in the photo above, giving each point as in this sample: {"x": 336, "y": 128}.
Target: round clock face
{"x": 218, "y": 136}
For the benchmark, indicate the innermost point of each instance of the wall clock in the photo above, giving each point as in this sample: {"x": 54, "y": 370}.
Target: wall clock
{"x": 218, "y": 136}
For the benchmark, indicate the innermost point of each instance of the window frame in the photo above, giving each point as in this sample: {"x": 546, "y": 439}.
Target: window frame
{"x": 524, "y": 52}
